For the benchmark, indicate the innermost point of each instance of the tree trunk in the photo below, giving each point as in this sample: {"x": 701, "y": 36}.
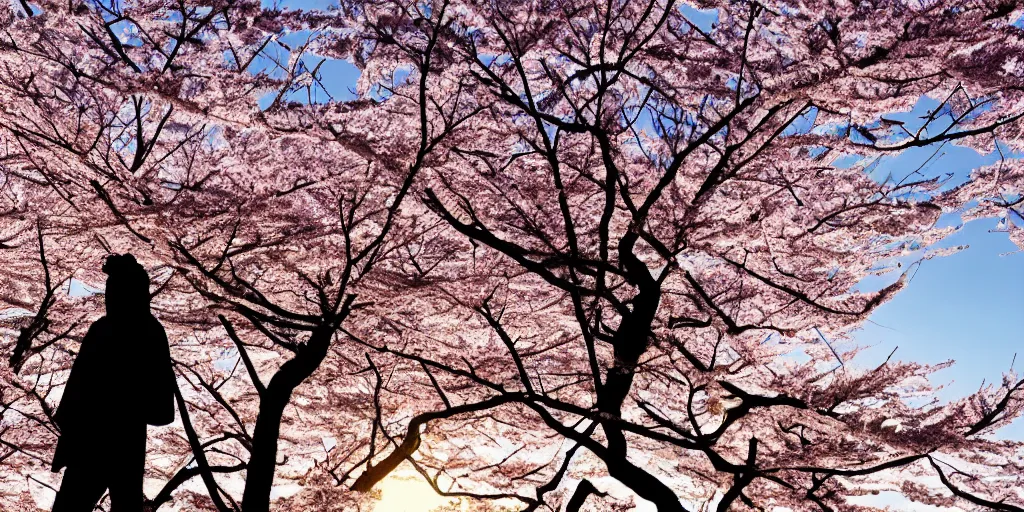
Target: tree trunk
{"x": 645, "y": 485}
{"x": 630, "y": 343}
{"x": 579, "y": 497}
{"x": 263, "y": 463}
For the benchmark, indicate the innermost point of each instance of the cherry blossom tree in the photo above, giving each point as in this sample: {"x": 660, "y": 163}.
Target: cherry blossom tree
{"x": 665, "y": 207}
{"x": 549, "y": 244}
{"x": 125, "y": 145}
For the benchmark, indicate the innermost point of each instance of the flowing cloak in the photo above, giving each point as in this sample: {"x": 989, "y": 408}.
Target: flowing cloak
{"x": 121, "y": 380}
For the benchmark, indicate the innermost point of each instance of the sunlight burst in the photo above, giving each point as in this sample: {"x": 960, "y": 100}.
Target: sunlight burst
{"x": 410, "y": 494}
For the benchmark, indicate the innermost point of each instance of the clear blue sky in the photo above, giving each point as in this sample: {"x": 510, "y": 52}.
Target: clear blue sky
{"x": 968, "y": 307}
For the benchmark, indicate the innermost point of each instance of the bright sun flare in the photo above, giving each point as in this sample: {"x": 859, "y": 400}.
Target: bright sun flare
{"x": 406, "y": 494}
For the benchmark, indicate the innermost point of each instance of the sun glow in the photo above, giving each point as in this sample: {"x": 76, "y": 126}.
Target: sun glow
{"x": 410, "y": 494}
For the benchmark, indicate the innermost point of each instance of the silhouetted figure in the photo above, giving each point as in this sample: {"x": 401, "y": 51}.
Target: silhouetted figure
{"x": 122, "y": 379}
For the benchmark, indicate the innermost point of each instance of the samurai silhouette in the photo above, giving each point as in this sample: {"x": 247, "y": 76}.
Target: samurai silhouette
{"x": 121, "y": 381}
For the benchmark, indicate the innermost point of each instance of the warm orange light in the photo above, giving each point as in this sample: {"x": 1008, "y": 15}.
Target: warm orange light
{"x": 409, "y": 494}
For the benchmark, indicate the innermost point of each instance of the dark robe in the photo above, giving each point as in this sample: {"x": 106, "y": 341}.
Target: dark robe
{"x": 121, "y": 380}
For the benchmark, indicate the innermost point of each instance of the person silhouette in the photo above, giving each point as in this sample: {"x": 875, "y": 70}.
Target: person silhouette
{"x": 121, "y": 381}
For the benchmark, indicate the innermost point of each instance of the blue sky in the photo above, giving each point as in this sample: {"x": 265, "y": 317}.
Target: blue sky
{"x": 968, "y": 307}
